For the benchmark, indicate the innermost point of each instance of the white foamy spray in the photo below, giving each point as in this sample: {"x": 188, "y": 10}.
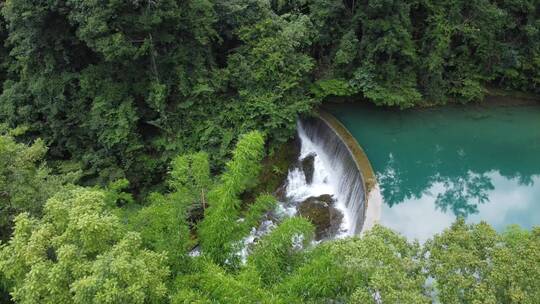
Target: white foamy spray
{"x": 334, "y": 173}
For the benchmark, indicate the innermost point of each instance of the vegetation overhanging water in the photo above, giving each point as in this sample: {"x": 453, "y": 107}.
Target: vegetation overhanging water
{"x": 133, "y": 131}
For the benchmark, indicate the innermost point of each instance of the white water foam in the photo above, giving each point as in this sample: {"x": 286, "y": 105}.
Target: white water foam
{"x": 334, "y": 173}
{"x": 325, "y": 180}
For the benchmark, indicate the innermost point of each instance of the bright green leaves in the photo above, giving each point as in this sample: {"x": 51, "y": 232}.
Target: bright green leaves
{"x": 79, "y": 218}
{"x": 387, "y": 267}
{"x": 163, "y": 228}
{"x": 125, "y": 274}
{"x": 380, "y": 265}
{"x": 241, "y": 172}
{"x": 212, "y": 284}
{"x": 459, "y": 262}
{"x": 472, "y": 263}
{"x": 78, "y": 253}
{"x": 276, "y": 254}
{"x": 163, "y": 224}
{"x": 220, "y": 231}
{"x": 25, "y": 181}
{"x": 262, "y": 204}
{"x": 516, "y": 271}
{"x": 191, "y": 173}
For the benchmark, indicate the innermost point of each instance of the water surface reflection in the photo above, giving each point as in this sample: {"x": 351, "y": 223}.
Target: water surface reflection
{"x": 481, "y": 163}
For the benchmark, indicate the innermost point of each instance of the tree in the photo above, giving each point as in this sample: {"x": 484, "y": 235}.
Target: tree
{"x": 220, "y": 231}
{"x": 163, "y": 224}
{"x": 79, "y": 252}
{"x": 519, "y": 60}
{"x": 379, "y": 266}
{"x": 164, "y": 229}
{"x": 460, "y": 48}
{"x": 275, "y": 255}
{"x": 385, "y": 73}
{"x": 212, "y": 284}
{"x": 270, "y": 74}
{"x": 473, "y": 263}
{"x": 25, "y": 181}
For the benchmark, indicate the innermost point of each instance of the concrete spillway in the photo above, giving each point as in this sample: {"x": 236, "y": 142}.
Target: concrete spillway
{"x": 340, "y": 169}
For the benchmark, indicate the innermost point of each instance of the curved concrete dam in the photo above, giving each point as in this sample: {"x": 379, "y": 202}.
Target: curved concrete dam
{"x": 340, "y": 168}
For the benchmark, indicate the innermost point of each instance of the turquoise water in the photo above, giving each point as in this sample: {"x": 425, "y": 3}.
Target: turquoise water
{"x": 432, "y": 165}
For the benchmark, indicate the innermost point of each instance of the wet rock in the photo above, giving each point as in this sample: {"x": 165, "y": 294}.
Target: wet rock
{"x": 322, "y": 214}
{"x": 307, "y": 164}
{"x": 295, "y": 147}
{"x": 285, "y": 158}
{"x": 281, "y": 192}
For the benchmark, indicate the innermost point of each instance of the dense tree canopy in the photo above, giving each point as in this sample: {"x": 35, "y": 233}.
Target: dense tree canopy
{"x": 92, "y": 245}
{"x": 104, "y": 105}
{"x": 120, "y": 88}
{"x": 25, "y": 181}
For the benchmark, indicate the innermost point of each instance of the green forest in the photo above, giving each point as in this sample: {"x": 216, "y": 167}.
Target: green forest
{"x": 132, "y": 131}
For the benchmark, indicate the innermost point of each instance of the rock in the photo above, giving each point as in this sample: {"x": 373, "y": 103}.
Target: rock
{"x": 322, "y": 214}
{"x": 286, "y": 157}
{"x": 307, "y": 164}
{"x": 281, "y": 192}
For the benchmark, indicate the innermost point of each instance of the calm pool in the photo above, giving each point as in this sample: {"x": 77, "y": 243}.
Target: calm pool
{"x": 432, "y": 165}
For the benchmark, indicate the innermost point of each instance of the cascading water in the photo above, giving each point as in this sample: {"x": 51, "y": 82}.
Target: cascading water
{"x": 334, "y": 173}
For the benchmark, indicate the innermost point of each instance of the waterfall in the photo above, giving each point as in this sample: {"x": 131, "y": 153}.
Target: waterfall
{"x": 334, "y": 172}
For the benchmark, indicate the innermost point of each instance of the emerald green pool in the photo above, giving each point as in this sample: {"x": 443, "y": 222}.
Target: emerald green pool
{"x": 432, "y": 165}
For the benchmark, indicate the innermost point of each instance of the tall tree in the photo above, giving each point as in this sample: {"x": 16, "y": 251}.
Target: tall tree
{"x": 79, "y": 252}
{"x": 25, "y": 180}
{"x": 220, "y": 232}
{"x": 473, "y": 263}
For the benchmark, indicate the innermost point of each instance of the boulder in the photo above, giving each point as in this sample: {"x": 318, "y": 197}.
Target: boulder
{"x": 307, "y": 164}
{"x": 322, "y": 214}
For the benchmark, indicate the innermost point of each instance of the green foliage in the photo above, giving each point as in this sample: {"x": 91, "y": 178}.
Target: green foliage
{"x": 163, "y": 228}
{"x": 271, "y": 73}
{"x": 25, "y": 181}
{"x": 381, "y": 265}
{"x": 218, "y": 286}
{"x": 163, "y": 223}
{"x": 281, "y": 250}
{"x": 386, "y": 74}
{"x": 191, "y": 172}
{"x": 79, "y": 253}
{"x": 472, "y": 263}
{"x": 332, "y": 87}
{"x": 124, "y": 274}
{"x": 121, "y": 89}
{"x": 399, "y": 52}
{"x": 262, "y": 204}
{"x": 219, "y": 233}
